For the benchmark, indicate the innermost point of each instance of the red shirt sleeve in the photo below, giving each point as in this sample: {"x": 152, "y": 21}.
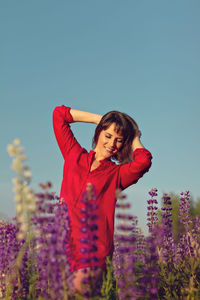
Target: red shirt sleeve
{"x": 130, "y": 173}
{"x": 64, "y": 136}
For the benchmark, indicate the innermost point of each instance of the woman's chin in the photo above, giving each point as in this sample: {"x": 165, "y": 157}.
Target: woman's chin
{"x": 109, "y": 154}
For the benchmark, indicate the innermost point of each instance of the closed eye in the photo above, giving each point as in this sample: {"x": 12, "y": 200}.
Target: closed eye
{"x": 118, "y": 140}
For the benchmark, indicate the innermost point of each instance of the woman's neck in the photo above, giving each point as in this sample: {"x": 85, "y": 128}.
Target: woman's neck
{"x": 98, "y": 156}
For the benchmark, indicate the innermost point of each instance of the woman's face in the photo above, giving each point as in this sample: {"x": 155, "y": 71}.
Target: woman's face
{"x": 109, "y": 142}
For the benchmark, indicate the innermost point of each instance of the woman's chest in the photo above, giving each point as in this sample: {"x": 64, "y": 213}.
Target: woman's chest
{"x": 94, "y": 165}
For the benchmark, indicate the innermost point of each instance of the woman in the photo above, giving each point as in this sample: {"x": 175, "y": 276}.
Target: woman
{"x": 116, "y": 137}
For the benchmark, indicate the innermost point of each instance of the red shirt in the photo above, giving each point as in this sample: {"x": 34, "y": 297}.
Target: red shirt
{"x": 106, "y": 179}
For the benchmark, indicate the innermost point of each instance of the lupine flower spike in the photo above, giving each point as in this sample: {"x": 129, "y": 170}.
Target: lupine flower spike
{"x": 152, "y": 209}
{"x": 168, "y": 242}
{"x": 89, "y": 230}
{"x": 51, "y": 233}
{"x": 24, "y": 196}
{"x": 25, "y": 208}
{"x": 125, "y": 244}
{"x": 185, "y": 219}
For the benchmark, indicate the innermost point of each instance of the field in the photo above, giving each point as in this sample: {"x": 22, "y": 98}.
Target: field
{"x": 34, "y": 264}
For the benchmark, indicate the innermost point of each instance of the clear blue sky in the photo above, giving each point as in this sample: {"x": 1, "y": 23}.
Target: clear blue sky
{"x": 139, "y": 57}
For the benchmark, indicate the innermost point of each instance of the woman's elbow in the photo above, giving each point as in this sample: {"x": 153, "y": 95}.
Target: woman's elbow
{"x": 58, "y": 113}
{"x": 146, "y": 164}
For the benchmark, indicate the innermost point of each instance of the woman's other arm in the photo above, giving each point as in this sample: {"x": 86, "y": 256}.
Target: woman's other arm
{"x": 83, "y": 116}
{"x": 131, "y": 172}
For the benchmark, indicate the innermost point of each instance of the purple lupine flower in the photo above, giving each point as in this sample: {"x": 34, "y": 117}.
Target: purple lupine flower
{"x": 166, "y": 215}
{"x": 149, "y": 280}
{"x": 184, "y": 208}
{"x": 12, "y": 273}
{"x": 140, "y": 243}
{"x": 88, "y": 224}
{"x": 195, "y": 233}
{"x": 168, "y": 249}
{"x": 8, "y": 243}
{"x": 152, "y": 210}
{"x": 124, "y": 257}
{"x": 51, "y": 229}
{"x": 89, "y": 230}
{"x": 187, "y": 243}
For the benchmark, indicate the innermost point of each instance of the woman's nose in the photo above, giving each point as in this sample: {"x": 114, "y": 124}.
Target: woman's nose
{"x": 112, "y": 144}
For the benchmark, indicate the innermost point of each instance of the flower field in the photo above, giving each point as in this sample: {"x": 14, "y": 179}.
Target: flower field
{"x": 33, "y": 248}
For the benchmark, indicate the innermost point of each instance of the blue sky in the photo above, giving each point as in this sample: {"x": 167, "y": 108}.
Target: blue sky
{"x": 139, "y": 57}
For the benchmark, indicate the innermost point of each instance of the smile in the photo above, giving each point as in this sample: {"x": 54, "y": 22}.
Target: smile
{"x": 109, "y": 150}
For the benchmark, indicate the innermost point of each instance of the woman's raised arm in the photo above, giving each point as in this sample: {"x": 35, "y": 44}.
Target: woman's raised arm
{"x": 62, "y": 117}
{"x": 83, "y": 116}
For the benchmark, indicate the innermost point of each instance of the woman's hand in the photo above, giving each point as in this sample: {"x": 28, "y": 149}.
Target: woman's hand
{"x": 136, "y": 141}
{"x": 139, "y": 134}
{"x": 98, "y": 119}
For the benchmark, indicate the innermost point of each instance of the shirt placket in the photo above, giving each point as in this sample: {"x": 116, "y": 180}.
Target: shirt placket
{"x": 88, "y": 174}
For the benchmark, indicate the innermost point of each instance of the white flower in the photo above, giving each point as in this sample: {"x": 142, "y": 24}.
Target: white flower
{"x": 22, "y": 157}
{"x": 26, "y": 189}
{"x": 16, "y": 142}
{"x": 30, "y": 198}
{"x": 62, "y": 201}
{"x": 27, "y": 174}
{"x": 21, "y": 218}
{"x": 20, "y": 236}
{"x": 19, "y": 150}
{"x": 37, "y": 233}
{"x": 38, "y": 246}
{"x": 17, "y": 188}
{"x": 24, "y": 227}
{"x": 11, "y": 150}
{"x": 19, "y": 209}
{"x": 89, "y": 187}
{"x": 16, "y": 165}
{"x": 32, "y": 207}
{"x": 16, "y": 181}
{"x": 18, "y": 198}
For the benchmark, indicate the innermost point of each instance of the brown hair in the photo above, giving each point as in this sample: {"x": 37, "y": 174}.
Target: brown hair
{"x": 126, "y": 126}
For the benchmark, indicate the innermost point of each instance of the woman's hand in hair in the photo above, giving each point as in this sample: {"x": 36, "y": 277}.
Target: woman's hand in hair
{"x": 139, "y": 133}
{"x": 98, "y": 119}
{"x": 136, "y": 141}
